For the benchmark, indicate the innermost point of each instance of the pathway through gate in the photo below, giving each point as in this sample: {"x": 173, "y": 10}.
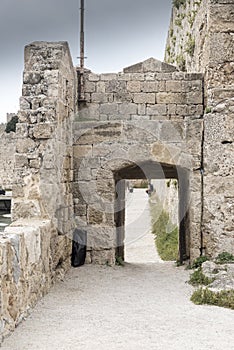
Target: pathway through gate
{"x": 139, "y": 241}
{"x": 139, "y": 306}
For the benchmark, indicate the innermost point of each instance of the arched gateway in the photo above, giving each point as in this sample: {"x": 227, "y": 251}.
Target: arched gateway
{"x": 105, "y": 154}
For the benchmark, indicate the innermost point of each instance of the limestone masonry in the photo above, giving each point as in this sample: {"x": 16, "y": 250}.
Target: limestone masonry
{"x": 69, "y": 158}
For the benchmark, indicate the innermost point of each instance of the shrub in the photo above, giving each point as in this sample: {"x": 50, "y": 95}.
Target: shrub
{"x": 166, "y": 234}
{"x": 178, "y": 3}
{"x": 224, "y": 258}
{"x": 198, "y": 278}
{"x": 180, "y": 60}
{"x": 11, "y": 125}
{"x": 199, "y": 261}
{"x": 190, "y": 45}
{"x": 205, "y": 296}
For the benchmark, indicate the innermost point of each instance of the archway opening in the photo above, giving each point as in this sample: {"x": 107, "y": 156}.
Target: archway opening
{"x": 152, "y": 172}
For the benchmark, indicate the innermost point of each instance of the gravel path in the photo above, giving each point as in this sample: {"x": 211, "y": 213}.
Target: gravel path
{"x": 139, "y": 306}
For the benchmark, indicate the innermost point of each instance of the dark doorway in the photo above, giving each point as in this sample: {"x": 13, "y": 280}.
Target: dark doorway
{"x": 153, "y": 170}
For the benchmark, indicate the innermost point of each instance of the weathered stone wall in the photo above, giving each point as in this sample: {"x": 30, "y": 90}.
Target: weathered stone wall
{"x": 202, "y": 32}
{"x": 150, "y": 113}
{"x": 150, "y": 90}
{"x": 167, "y": 194}
{"x": 7, "y": 156}
{"x": 36, "y": 248}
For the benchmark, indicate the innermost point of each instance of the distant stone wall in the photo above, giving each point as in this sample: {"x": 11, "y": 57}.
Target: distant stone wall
{"x": 7, "y": 156}
{"x": 201, "y": 38}
{"x": 35, "y": 250}
{"x": 147, "y": 91}
{"x": 167, "y": 193}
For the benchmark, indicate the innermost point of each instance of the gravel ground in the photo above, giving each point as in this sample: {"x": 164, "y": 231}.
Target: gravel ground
{"x": 138, "y": 306}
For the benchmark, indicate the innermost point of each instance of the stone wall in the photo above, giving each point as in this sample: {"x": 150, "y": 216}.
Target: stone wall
{"x": 7, "y": 156}
{"x": 150, "y": 90}
{"x": 201, "y": 37}
{"x": 149, "y": 116}
{"x": 36, "y": 248}
{"x": 167, "y": 193}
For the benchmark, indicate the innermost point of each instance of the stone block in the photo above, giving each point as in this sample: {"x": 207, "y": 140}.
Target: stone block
{"x": 25, "y": 103}
{"x": 21, "y": 160}
{"x": 127, "y": 108}
{"x": 140, "y": 117}
{"x": 221, "y": 17}
{"x": 90, "y": 86}
{"x": 108, "y": 76}
{"x": 173, "y": 86}
{"x": 134, "y": 86}
{"x": 82, "y": 151}
{"x": 172, "y": 132}
{"x": 144, "y": 98}
{"x": 93, "y": 77}
{"x": 150, "y": 76}
{"x": 101, "y": 87}
{"x": 218, "y": 128}
{"x": 80, "y": 210}
{"x": 171, "y": 97}
{"x": 99, "y": 97}
{"x": 95, "y": 217}
{"x": 221, "y": 48}
{"x": 35, "y": 163}
{"x": 26, "y": 145}
{"x": 149, "y": 86}
{"x": 32, "y": 78}
{"x": 138, "y": 76}
{"x": 103, "y": 257}
{"x": 90, "y": 112}
{"x": 141, "y": 109}
{"x": 115, "y": 86}
{"x": 42, "y": 131}
{"x": 195, "y": 97}
{"x": 109, "y": 109}
{"x": 124, "y": 76}
{"x": 157, "y": 110}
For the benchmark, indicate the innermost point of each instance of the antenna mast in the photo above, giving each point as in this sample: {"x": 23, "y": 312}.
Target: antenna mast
{"x": 82, "y": 34}
{"x": 80, "y": 70}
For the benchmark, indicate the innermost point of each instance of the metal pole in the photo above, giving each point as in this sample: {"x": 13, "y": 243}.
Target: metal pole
{"x": 82, "y": 34}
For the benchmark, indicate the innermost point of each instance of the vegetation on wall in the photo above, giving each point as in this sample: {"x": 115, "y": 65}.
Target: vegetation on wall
{"x": 225, "y": 258}
{"x": 178, "y": 3}
{"x": 166, "y": 234}
{"x": 190, "y": 45}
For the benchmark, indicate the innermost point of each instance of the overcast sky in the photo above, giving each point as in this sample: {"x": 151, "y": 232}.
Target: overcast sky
{"x": 118, "y": 33}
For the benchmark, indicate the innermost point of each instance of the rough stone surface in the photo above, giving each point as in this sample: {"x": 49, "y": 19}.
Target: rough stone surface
{"x": 190, "y": 48}
{"x": 7, "y": 156}
{"x": 223, "y": 275}
{"x": 35, "y": 250}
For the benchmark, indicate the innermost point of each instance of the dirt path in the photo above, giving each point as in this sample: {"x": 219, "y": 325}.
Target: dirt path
{"x": 139, "y": 306}
{"x": 139, "y": 242}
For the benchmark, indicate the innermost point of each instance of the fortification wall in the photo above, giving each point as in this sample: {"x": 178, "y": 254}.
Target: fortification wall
{"x": 149, "y": 113}
{"x": 149, "y": 90}
{"x": 201, "y": 39}
{"x": 35, "y": 249}
{"x": 7, "y": 156}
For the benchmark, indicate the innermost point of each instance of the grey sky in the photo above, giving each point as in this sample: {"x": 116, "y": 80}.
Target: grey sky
{"x": 118, "y": 33}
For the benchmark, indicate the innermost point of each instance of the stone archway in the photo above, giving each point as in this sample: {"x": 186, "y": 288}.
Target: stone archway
{"x": 107, "y": 152}
{"x": 154, "y": 170}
